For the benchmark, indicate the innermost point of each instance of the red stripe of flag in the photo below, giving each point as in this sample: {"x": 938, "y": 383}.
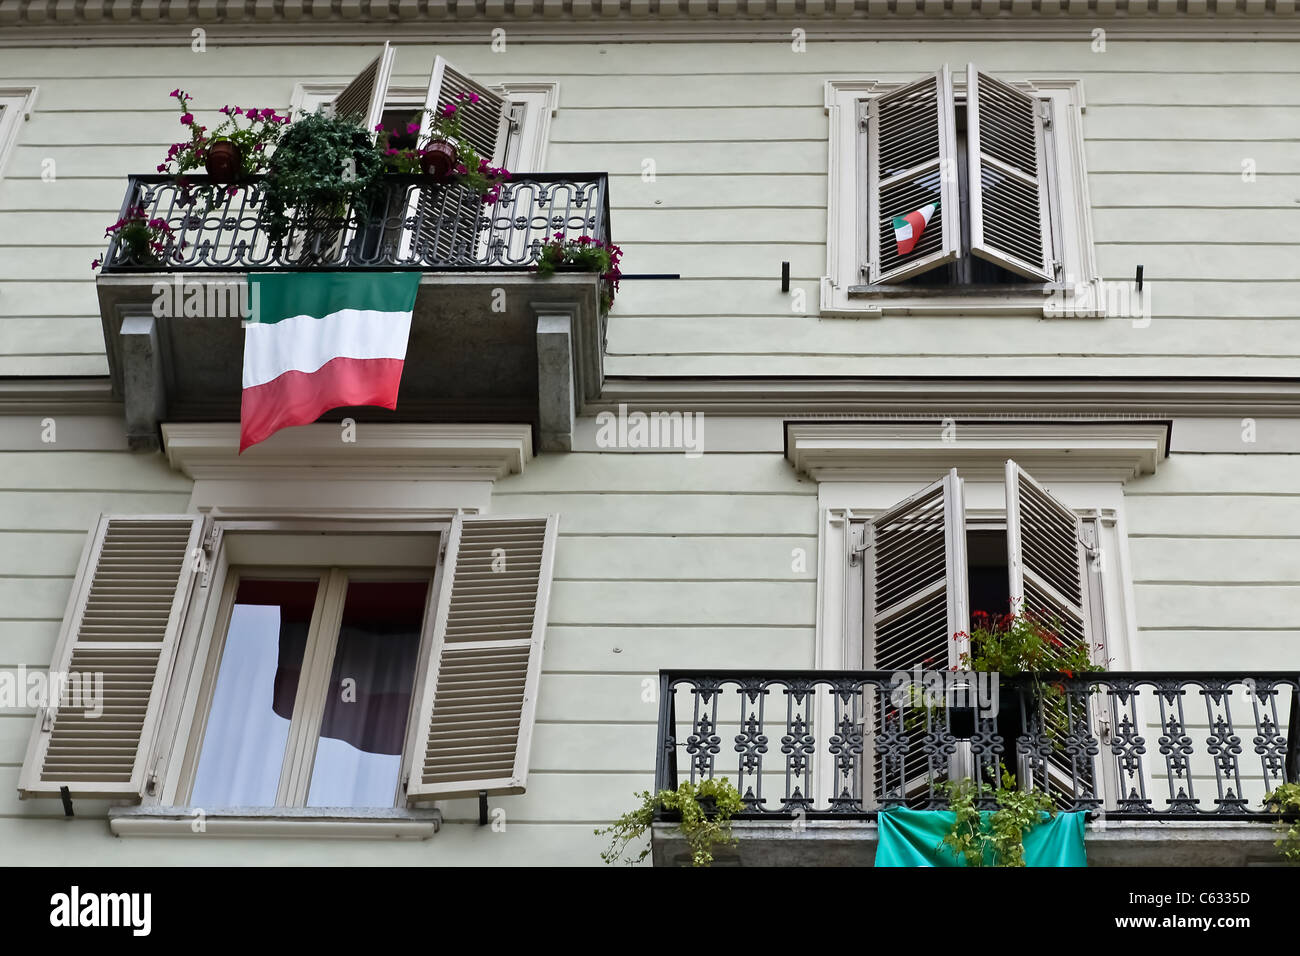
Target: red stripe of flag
{"x": 299, "y": 398}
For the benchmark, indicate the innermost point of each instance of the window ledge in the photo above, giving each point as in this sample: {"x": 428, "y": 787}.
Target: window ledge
{"x": 310, "y": 822}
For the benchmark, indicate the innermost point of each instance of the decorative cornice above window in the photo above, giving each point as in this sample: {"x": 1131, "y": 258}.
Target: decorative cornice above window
{"x": 424, "y": 452}
{"x": 908, "y": 451}
{"x": 452, "y": 15}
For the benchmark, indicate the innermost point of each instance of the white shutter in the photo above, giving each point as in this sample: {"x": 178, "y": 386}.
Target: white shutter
{"x": 479, "y": 698}
{"x": 1046, "y": 559}
{"x": 918, "y": 586}
{"x": 123, "y": 621}
{"x": 912, "y": 162}
{"x": 1010, "y": 218}
{"x": 447, "y": 217}
{"x": 363, "y": 98}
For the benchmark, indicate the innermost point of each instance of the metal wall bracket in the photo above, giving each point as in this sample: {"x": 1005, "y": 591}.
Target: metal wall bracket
{"x": 67, "y": 801}
{"x": 482, "y": 808}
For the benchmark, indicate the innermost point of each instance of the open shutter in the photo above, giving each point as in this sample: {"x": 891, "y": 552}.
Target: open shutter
{"x": 1046, "y": 559}
{"x": 363, "y": 98}
{"x": 480, "y": 695}
{"x": 918, "y": 582}
{"x": 1009, "y": 214}
{"x": 447, "y": 217}
{"x": 912, "y": 162}
{"x": 122, "y": 625}
{"x": 917, "y": 597}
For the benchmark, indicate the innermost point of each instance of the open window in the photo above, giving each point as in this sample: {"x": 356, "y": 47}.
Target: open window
{"x": 928, "y": 569}
{"x": 955, "y": 194}
{"x": 389, "y": 682}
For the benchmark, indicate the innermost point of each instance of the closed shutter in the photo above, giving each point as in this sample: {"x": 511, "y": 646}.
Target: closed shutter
{"x": 122, "y": 625}
{"x": 1009, "y": 213}
{"x": 912, "y": 162}
{"x": 479, "y": 698}
{"x": 363, "y": 98}
{"x": 917, "y": 598}
{"x": 447, "y": 217}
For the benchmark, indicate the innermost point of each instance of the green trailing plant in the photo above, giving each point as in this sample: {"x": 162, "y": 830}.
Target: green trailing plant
{"x": 584, "y": 252}
{"x": 999, "y": 839}
{"x": 323, "y": 166}
{"x": 1285, "y": 799}
{"x": 705, "y": 808}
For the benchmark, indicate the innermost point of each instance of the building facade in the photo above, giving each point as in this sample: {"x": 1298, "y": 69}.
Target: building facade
{"x": 613, "y": 549}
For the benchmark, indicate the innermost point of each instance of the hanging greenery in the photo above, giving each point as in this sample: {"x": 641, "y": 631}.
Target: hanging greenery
{"x": 323, "y": 166}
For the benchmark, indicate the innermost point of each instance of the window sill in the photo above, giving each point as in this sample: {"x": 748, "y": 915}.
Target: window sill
{"x": 1093, "y": 300}
{"x": 346, "y": 823}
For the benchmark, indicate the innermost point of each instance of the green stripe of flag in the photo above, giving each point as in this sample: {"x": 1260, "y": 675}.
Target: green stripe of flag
{"x": 276, "y": 296}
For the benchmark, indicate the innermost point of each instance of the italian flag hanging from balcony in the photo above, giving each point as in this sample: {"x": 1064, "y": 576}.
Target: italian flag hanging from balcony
{"x": 908, "y": 228}
{"x": 317, "y": 341}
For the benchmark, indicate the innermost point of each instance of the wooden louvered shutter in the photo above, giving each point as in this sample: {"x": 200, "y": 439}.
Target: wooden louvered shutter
{"x": 912, "y": 162}
{"x": 448, "y": 216}
{"x": 123, "y": 622}
{"x": 918, "y": 587}
{"x": 479, "y": 698}
{"x": 363, "y": 98}
{"x": 1009, "y": 214}
{"x": 1046, "y": 558}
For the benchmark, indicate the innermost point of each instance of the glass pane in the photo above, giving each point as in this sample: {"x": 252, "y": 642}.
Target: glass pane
{"x": 248, "y": 725}
{"x": 359, "y": 754}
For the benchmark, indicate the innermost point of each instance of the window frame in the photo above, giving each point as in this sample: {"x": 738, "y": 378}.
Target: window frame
{"x": 16, "y": 104}
{"x": 844, "y": 290}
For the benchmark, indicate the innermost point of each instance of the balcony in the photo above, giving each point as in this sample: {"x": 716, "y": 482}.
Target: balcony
{"x": 490, "y": 340}
{"x": 1171, "y": 767}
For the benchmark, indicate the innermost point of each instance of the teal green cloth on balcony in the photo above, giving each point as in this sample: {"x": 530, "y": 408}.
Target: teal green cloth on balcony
{"x": 915, "y": 838}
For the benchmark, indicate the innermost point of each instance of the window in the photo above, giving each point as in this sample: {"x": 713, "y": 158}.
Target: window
{"x": 288, "y": 726}
{"x": 511, "y": 129}
{"x": 956, "y": 194}
{"x": 15, "y": 108}
{"x": 925, "y": 569}
{"x": 390, "y": 679}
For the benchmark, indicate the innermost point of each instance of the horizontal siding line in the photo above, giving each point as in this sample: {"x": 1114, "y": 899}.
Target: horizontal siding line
{"x": 1217, "y": 494}
{"x": 621, "y": 494}
{"x": 1233, "y": 174}
{"x": 949, "y": 355}
{"x": 37, "y": 577}
{"x": 1155, "y": 582}
{"x": 793, "y": 536}
{"x": 800, "y": 316}
{"x": 644, "y": 580}
{"x": 1217, "y": 537}
{"x": 1220, "y": 627}
{"x": 691, "y": 626}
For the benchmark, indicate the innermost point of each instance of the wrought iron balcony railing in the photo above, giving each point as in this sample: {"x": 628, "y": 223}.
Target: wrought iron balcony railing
{"x": 845, "y": 744}
{"x": 418, "y": 224}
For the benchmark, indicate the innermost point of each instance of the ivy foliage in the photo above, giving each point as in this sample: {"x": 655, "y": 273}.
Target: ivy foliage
{"x": 704, "y": 827}
{"x": 1286, "y": 799}
{"x": 322, "y": 166}
{"x": 999, "y": 839}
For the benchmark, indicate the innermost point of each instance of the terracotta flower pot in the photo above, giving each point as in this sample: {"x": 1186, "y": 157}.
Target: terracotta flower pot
{"x": 223, "y": 161}
{"x": 438, "y": 160}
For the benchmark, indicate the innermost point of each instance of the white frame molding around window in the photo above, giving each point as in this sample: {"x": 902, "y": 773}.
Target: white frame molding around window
{"x": 864, "y": 468}
{"x": 306, "y": 496}
{"x": 536, "y": 100}
{"x": 846, "y": 243}
{"x": 16, "y": 103}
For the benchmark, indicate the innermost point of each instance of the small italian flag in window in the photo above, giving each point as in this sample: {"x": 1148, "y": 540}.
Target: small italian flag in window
{"x": 908, "y": 228}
